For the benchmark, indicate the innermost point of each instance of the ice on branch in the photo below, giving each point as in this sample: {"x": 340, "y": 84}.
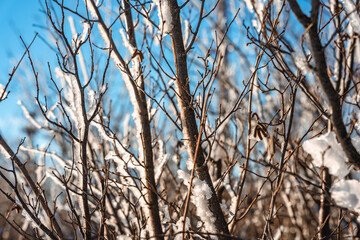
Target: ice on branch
{"x": 72, "y": 94}
{"x": 50, "y": 113}
{"x": 54, "y": 179}
{"x": 28, "y": 116}
{"x": 186, "y": 31}
{"x": 146, "y": 21}
{"x": 189, "y": 165}
{"x": 256, "y": 6}
{"x": 92, "y": 99}
{"x": 300, "y": 62}
{"x": 2, "y": 90}
{"x": 151, "y": 110}
{"x": 165, "y": 18}
{"x": 4, "y": 153}
{"x": 90, "y": 8}
{"x": 346, "y": 193}
{"x": 326, "y": 151}
{"x": 121, "y": 163}
{"x": 126, "y": 42}
{"x": 124, "y": 237}
{"x": 200, "y": 195}
{"x": 179, "y": 227}
{"x": 86, "y": 29}
{"x": 75, "y": 36}
{"x": 354, "y": 16}
{"x": 76, "y": 41}
{"x": 28, "y": 218}
{"x": 126, "y": 77}
{"x": 135, "y": 59}
{"x": 162, "y": 160}
{"x": 62, "y": 162}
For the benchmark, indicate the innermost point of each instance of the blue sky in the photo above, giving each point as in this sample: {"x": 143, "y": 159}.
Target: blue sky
{"x": 21, "y": 17}
{"x": 17, "y": 17}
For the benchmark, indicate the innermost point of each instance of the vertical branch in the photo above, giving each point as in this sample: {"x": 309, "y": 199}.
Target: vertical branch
{"x": 248, "y": 143}
{"x": 280, "y": 176}
{"x": 248, "y": 149}
{"x": 324, "y": 212}
{"x": 138, "y": 100}
{"x": 187, "y": 115}
{"x": 223, "y": 93}
{"x": 33, "y": 187}
{"x": 317, "y": 50}
{"x": 152, "y": 199}
{"x": 84, "y": 165}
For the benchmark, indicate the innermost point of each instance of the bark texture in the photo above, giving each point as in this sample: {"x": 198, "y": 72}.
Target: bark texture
{"x": 55, "y": 233}
{"x": 151, "y": 198}
{"x": 189, "y": 125}
{"x": 324, "y": 212}
{"x": 140, "y": 105}
{"x": 317, "y": 50}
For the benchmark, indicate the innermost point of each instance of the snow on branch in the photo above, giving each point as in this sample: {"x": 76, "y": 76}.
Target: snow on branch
{"x": 28, "y": 116}
{"x": 201, "y": 193}
{"x": 165, "y": 18}
{"x": 353, "y": 14}
{"x": 119, "y": 62}
{"x": 3, "y": 93}
{"x": 326, "y": 151}
{"x": 179, "y": 226}
{"x": 346, "y": 193}
{"x": 4, "y": 153}
{"x": 62, "y": 162}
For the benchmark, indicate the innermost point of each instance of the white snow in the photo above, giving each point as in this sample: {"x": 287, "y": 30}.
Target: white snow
{"x": 189, "y": 164}
{"x": 126, "y": 42}
{"x": 50, "y": 113}
{"x": 124, "y": 237}
{"x": 326, "y": 151}
{"x": 106, "y": 39}
{"x": 76, "y": 41}
{"x": 73, "y": 94}
{"x": 179, "y": 227}
{"x": 200, "y": 195}
{"x": 92, "y": 102}
{"x": 277, "y": 235}
{"x": 4, "y": 153}
{"x": 62, "y": 162}
{"x": 2, "y": 89}
{"x": 161, "y": 161}
{"x": 91, "y": 8}
{"x": 186, "y": 31}
{"x": 258, "y": 7}
{"x": 28, "y": 116}
{"x": 350, "y": 8}
{"x": 332, "y": 4}
{"x": 249, "y": 5}
{"x": 346, "y": 193}
{"x": 165, "y": 18}
{"x": 86, "y": 29}
{"x": 146, "y": 21}
{"x": 28, "y": 218}
{"x": 121, "y": 163}
{"x": 301, "y": 62}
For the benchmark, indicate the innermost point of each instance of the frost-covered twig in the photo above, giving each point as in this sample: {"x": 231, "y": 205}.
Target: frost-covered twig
{"x": 190, "y": 131}
{"x": 317, "y": 50}
{"x": 36, "y": 191}
{"x": 134, "y": 82}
